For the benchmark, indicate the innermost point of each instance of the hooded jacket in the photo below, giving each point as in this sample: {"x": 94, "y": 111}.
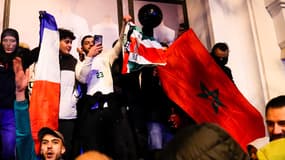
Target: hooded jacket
{"x": 7, "y": 77}
{"x": 203, "y": 142}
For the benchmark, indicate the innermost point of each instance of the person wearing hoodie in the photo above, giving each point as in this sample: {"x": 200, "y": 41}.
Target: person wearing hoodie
{"x": 9, "y": 49}
{"x": 220, "y": 53}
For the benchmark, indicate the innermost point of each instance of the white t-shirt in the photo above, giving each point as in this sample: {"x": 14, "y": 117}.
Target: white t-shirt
{"x": 96, "y": 71}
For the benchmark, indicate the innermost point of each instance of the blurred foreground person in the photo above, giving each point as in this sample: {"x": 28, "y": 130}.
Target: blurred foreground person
{"x": 272, "y": 151}
{"x": 204, "y": 141}
{"x": 93, "y": 155}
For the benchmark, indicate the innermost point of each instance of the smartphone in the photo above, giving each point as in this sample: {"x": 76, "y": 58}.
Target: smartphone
{"x": 98, "y": 39}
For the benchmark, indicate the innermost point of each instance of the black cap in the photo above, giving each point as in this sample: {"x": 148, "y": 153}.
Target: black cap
{"x": 45, "y": 130}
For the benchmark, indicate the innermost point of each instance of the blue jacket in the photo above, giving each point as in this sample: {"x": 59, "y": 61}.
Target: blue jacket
{"x": 24, "y": 142}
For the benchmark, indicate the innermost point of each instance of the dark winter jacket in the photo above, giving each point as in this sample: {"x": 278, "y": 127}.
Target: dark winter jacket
{"x": 7, "y": 76}
{"x": 203, "y": 142}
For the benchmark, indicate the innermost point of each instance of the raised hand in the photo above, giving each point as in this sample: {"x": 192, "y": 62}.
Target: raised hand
{"x": 127, "y": 18}
{"x": 95, "y": 50}
{"x": 21, "y": 78}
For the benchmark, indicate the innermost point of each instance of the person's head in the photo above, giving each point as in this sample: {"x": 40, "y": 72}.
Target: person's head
{"x": 93, "y": 155}
{"x": 275, "y": 117}
{"x": 9, "y": 40}
{"x": 220, "y": 52}
{"x": 87, "y": 42}
{"x": 66, "y": 37}
{"x": 51, "y": 144}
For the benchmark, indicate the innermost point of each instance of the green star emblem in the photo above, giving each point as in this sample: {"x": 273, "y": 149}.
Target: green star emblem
{"x": 212, "y": 96}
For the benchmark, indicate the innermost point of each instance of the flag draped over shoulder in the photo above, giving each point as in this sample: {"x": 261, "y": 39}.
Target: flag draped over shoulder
{"x": 44, "y": 103}
{"x": 198, "y": 85}
{"x": 140, "y": 50}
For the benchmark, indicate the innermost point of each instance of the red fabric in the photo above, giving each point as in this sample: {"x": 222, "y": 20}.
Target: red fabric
{"x": 150, "y": 53}
{"x": 189, "y": 69}
{"x": 125, "y": 62}
{"x": 44, "y": 103}
{"x": 44, "y": 108}
{"x": 139, "y": 52}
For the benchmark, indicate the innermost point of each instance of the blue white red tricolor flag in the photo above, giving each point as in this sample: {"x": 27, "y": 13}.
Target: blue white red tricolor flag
{"x": 44, "y": 102}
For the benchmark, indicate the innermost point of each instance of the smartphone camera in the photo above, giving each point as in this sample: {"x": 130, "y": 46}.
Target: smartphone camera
{"x": 98, "y": 39}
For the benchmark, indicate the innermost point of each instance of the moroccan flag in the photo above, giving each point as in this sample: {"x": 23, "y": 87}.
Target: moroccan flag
{"x": 44, "y": 103}
{"x": 140, "y": 50}
{"x": 198, "y": 85}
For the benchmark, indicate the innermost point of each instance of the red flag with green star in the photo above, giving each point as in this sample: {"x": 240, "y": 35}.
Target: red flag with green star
{"x": 193, "y": 80}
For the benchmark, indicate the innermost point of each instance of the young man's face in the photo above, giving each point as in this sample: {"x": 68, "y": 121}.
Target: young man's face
{"x": 222, "y": 56}
{"x": 65, "y": 45}
{"x": 87, "y": 44}
{"x": 52, "y": 147}
{"x": 9, "y": 44}
{"x": 275, "y": 120}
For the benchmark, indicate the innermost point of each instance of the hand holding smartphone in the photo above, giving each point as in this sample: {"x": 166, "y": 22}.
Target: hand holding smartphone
{"x": 98, "y": 39}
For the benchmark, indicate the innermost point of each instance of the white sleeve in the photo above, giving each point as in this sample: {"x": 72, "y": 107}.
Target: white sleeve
{"x": 82, "y": 69}
{"x": 115, "y": 51}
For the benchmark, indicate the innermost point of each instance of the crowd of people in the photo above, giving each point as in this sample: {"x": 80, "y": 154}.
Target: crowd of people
{"x": 95, "y": 112}
{"x": 106, "y": 115}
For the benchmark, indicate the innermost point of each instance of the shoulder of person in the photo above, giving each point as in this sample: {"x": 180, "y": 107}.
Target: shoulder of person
{"x": 260, "y": 142}
{"x": 273, "y": 150}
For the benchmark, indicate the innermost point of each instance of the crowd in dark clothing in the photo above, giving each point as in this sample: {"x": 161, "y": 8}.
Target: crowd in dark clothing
{"x": 122, "y": 127}
{"x": 135, "y": 124}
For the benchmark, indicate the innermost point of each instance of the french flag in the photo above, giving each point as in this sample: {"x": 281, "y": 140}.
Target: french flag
{"x": 44, "y": 102}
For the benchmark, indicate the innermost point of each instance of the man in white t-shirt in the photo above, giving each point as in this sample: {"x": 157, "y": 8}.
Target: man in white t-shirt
{"x": 100, "y": 109}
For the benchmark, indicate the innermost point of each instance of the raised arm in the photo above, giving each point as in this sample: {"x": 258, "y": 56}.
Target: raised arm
{"x": 21, "y": 79}
{"x": 117, "y": 49}
{"x": 24, "y": 142}
{"x": 83, "y": 68}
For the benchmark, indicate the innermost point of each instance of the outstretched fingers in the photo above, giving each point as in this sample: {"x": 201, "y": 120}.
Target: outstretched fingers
{"x": 21, "y": 77}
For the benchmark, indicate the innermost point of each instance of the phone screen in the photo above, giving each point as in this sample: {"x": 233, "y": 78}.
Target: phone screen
{"x": 98, "y": 39}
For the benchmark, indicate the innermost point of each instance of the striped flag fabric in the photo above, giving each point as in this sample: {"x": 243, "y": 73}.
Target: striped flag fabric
{"x": 44, "y": 102}
{"x": 140, "y": 50}
{"x": 193, "y": 80}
